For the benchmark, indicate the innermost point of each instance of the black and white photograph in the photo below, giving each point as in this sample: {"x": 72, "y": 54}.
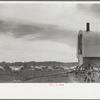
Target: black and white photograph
{"x": 49, "y": 42}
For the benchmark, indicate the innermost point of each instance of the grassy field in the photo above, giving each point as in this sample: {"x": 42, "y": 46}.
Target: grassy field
{"x": 39, "y": 76}
{"x": 34, "y": 76}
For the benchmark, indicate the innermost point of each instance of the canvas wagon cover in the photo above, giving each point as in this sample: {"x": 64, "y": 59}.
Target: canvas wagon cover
{"x": 91, "y": 44}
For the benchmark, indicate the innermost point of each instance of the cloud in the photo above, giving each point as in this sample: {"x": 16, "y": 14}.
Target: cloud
{"x": 34, "y": 31}
{"x": 89, "y": 8}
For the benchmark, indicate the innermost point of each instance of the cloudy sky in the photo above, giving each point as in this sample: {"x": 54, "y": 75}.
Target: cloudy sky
{"x": 44, "y": 31}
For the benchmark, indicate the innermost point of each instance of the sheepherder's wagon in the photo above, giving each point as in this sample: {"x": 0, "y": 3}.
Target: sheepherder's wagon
{"x": 88, "y": 54}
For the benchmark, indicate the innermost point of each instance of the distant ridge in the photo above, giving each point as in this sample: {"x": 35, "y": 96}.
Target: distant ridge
{"x": 44, "y": 63}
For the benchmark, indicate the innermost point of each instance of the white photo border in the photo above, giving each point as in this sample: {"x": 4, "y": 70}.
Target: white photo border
{"x": 43, "y": 90}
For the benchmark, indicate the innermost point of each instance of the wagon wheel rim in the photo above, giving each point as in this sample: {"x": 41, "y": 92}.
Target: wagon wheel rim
{"x": 88, "y": 73}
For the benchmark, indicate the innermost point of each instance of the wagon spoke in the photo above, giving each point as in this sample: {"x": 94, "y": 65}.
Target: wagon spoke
{"x": 87, "y": 79}
{"x": 88, "y": 72}
{"x": 95, "y": 74}
{"x": 84, "y": 77}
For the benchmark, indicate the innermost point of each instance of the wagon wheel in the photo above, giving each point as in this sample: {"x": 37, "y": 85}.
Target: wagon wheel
{"x": 88, "y": 72}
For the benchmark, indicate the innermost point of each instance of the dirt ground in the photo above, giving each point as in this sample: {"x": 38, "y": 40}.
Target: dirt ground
{"x": 30, "y": 76}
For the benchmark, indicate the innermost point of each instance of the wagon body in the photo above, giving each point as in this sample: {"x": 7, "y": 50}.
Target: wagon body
{"x": 88, "y": 51}
{"x": 88, "y": 48}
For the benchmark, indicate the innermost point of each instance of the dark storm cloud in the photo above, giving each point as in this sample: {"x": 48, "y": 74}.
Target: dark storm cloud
{"x": 90, "y": 8}
{"x": 44, "y": 32}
